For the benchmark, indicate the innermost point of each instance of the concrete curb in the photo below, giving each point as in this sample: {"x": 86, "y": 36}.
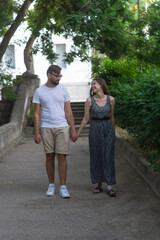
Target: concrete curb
{"x": 139, "y": 163}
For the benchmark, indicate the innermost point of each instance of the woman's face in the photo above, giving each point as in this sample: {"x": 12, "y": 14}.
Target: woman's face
{"x": 95, "y": 86}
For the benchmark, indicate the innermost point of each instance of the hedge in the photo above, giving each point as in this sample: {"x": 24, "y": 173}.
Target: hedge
{"x": 138, "y": 111}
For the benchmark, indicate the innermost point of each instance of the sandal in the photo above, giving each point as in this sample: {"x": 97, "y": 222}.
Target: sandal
{"x": 111, "y": 193}
{"x": 97, "y": 190}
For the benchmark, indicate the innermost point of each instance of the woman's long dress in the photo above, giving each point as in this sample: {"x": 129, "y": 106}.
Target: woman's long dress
{"x": 101, "y": 144}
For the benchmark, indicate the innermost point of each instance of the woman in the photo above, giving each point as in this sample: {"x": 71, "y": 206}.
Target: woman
{"x": 100, "y": 105}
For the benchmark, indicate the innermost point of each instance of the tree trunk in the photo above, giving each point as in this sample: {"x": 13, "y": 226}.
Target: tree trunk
{"x": 7, "y": 37}
{"x": 28, "y": 58}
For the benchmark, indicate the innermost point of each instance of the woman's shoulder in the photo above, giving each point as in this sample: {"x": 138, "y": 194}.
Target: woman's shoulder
{"x": 112, "y": 100}
{"x": 88, "y": 100}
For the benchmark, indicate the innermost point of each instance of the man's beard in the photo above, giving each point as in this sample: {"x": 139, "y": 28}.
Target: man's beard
{"x": 55, "y": 83}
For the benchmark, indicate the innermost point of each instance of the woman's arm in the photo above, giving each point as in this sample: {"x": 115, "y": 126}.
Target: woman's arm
{"x": 112, "y": 101}
{"x": 85, "y": 119}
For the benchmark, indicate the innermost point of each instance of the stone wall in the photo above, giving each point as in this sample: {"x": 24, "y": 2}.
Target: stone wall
{"x": 139, "y": 163}
{"x": 11, "y": 132}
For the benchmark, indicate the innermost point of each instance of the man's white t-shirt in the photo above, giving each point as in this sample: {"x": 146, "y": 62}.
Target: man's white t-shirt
{"x": 52, "y": 101}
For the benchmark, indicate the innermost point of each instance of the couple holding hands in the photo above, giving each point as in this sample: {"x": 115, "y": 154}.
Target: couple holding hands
{"x": 54, "y": 115}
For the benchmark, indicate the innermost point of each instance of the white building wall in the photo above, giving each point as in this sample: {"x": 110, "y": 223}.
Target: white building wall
{"x": 76, "y": 76}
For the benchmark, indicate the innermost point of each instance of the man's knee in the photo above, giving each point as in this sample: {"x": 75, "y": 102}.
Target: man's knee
{"x": 50, "y": 156}
{"x": 61, "y": 157}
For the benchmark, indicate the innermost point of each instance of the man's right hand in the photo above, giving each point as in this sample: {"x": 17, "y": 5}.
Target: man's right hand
{"x": 38, "y": 139}
{"x": 73, "y": 136}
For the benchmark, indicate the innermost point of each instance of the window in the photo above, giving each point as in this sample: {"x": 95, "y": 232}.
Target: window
{"x": 10, "y": 56}
{"x": 60, "y": 50}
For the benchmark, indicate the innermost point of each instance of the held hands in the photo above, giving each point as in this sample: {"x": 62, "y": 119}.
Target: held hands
{"x": 74, "y": 136}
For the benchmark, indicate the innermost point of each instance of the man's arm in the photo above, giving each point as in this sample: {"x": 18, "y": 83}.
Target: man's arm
{"x": 70, "y": 119}
{"x": 37, "y": 108}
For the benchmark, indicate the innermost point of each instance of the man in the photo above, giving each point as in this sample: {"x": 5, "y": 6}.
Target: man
{"x": 52, "y": 107}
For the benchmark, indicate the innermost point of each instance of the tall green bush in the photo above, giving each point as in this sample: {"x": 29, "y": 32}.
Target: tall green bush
{"x": 138, "y": 111}
{"x": 121, "y": 70}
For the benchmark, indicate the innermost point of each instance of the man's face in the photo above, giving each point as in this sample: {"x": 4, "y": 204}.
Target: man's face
{"x": 54, "y": 78}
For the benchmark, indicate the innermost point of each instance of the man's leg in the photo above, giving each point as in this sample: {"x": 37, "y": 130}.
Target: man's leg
{"x": 62, "y": 149}
{"x": 50, "y": 166}
{"x": 50, "y": 172}
{"x": 62, "y": 168}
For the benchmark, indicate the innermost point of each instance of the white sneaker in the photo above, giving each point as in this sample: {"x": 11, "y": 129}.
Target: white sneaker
{"x": 63, "y": 192}
{"x": 50, "y": 191}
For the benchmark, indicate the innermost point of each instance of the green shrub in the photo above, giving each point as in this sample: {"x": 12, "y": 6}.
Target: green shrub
{"x": 9, "y": 86}
{"x": 122, "y": 70}
{"x": 138, "y": 110}
{"x": 114, "y": 71}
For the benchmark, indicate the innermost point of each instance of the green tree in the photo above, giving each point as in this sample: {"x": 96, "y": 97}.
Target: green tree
{"x": 115, "y": 28}
{"x": 14, "y": 24}
{"x": 103, "y": 25}
{"x": 46, "y": 18}
{"x": 153, "y": 31}
{"x": 111, "y": 27}
{"x": 6, "y": 14}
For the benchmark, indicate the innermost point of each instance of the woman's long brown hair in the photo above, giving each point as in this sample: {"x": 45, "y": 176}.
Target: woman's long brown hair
{"x": 103, "y": 85}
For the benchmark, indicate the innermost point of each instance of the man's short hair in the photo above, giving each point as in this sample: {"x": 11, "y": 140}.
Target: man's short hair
{"x": 53, "y": 68}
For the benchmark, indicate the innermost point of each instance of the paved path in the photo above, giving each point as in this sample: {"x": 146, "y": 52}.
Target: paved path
{"x": 27, "y": 214}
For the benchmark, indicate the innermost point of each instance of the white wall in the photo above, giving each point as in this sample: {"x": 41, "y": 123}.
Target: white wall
{"x": 76, "y": 76}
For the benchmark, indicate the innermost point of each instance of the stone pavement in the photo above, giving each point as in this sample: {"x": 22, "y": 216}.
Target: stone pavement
{"x": 27, "y": 214}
